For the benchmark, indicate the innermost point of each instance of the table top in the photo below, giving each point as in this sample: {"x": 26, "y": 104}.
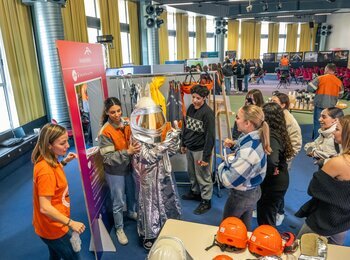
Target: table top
{"x": 196, "y": 237}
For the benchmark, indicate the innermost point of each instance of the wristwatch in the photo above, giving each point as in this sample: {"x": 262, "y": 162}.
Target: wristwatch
{"x": 64, "y": 163}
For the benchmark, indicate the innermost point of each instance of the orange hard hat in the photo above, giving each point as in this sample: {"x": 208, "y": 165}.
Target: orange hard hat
{"x": 265, "y": 241}
{"x": 232, "y": 232}
{"x": 222, "y": 257}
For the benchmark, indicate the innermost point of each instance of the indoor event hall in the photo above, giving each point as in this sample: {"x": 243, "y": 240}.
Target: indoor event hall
{"x": 174, "y": 129}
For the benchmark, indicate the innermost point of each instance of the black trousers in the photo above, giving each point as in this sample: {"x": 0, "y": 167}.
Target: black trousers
{"x": 239, "y": 83}
{"x": 268, "y": 206}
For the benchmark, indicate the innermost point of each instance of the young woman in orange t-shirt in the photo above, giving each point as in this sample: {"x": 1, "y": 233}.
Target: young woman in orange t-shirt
{"x": 51, "y": 203}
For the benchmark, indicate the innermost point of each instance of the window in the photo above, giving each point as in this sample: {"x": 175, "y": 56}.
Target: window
{"x": 192, "y": 36}
{"x": 298, "y": 39}
{"x": 210, "y": 34}
{"x": 172, "y": 34}
{"x": 264, "y": 38}
{"x": 8, "y": 112}
{"x": 92, "y": 8}
{"x": 123, "y": 12}
{"x": 282, "y": 37}
{"x": 125, "y": 41}
{"x": 172, "y": 48}
{"x": 124, "y": 31}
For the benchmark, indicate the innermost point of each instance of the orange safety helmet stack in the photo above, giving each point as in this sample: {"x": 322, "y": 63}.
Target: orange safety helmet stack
{"x": 232, "y": 232}
{"x": 265, "y": 241}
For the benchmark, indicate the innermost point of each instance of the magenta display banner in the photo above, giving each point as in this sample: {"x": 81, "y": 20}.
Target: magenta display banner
{"x": 82, "y": 63}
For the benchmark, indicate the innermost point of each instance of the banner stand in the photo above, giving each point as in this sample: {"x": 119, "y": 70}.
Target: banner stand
{"x": 106, "y": 241}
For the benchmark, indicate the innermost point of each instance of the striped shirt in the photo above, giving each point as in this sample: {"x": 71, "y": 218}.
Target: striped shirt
{"x": 248, "y": 168}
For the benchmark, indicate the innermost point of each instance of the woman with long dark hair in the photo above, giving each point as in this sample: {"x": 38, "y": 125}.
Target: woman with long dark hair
{"x": 116, "y": 150}
{"x": 276, "y": 182}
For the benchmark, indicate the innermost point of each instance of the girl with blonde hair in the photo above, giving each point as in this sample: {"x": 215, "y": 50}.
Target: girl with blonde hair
{"x": 246, "y": 171}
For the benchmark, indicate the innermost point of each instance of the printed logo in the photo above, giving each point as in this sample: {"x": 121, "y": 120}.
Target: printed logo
{"x": 87, "y": 51}
{"x": 74, "y": 75}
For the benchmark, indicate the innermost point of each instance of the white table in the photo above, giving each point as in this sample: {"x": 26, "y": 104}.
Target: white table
{"x": 196, "y": 237}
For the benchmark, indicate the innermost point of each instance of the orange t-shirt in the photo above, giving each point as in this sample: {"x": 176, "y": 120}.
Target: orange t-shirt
{"x": 50, "y": 182}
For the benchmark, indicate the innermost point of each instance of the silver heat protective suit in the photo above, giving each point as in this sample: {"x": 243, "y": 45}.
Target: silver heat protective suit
{"x": 158, "y": 198}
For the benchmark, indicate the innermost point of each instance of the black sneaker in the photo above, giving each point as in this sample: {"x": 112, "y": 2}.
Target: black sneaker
{"x": 203, "y": 207}
{"x": 148, "y": 243}
{"x": 191, "y": 196}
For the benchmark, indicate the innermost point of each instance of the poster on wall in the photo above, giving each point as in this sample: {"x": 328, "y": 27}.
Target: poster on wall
{"x": 231, "y": 54}
{"x": 341, "y": 55}
{"x": 269, "y": 57}
{"x": 310, "y": 56}
{"x": 325, "y": 56}
{"x": 85, "y": 85}
{"x": 296, "y": 56}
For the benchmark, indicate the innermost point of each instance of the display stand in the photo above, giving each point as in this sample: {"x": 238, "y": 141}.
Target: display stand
{"x": 116, "y": 88}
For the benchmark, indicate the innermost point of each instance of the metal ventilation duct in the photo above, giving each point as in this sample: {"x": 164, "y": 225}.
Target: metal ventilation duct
{"x": 48, "y": 27}
{"x": 153, "y": 46}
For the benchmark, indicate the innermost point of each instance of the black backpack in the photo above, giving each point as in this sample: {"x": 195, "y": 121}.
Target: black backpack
{"x": 227, "y": 70}
{"x": 240, "y": 71}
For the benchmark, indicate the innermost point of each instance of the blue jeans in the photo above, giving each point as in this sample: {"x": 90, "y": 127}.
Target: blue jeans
{"x": 241, "y": 204}
{"x": 228, "y": 85}
{"x": 317, "y": 115}
{"x": 119, "y": 185}
{"x": 246, "y": 79}
{"x": 61, "y": 248}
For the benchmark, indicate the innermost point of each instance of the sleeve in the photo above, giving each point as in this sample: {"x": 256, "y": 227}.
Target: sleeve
{"x": 295, "y": 137}
{"x": 312, "y": 86}
{"x": 46, "y": 182}
{"x": 110, "y": 156}
{"x": 209, "y": 128}
{"x": 273, "y": 159}
{"x": 236, "y": 173}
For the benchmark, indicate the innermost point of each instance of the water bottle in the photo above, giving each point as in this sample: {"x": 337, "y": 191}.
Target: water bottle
{"x": 75, "y": 241}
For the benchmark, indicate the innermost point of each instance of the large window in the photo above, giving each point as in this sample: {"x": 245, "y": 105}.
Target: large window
{"x": 92, "y": 13}
{"x": 192, "y": 35}
{"x": 124, "y": 31}
{"x": 210, "y": 34}
{"x": 264, "y": 38}
{"x": 8, "y": 113}
{"x": 172, "y": 33}
{"x": 282, "y": 38}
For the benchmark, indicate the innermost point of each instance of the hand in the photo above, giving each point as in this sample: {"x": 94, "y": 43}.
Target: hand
{"x": 176, "y": 125}
{"x": 229, "y": 143}
{"x": 71, "y": 156}
{"x": 77, "y": 226}
{"x": 203, "y": 163}
{"x": 134, "y": 148}
{"x": 183, "y": 149}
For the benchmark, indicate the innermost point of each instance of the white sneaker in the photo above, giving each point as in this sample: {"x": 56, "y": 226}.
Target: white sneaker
{"x": 123, "y": 240}
{"x": 279, "y": 219}
{"x": 133, "y": 216}
{"x": 254, "y": 214}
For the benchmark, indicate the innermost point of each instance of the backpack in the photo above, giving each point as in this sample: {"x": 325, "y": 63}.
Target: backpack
{"x": 227, "y": 70}
{"x": 240, "y": 71}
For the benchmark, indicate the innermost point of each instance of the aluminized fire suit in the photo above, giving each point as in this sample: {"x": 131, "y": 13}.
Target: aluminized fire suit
{"x": 158, "y": 198}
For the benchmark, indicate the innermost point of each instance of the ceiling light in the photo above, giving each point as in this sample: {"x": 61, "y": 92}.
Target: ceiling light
{"x": 284, "y": 16}
{"x": 323, "y": 14}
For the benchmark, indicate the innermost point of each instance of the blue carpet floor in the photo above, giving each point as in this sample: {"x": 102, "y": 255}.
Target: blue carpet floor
{"x": 18, "y": 240}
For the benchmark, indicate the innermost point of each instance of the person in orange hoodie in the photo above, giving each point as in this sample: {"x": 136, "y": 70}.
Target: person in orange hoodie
{"x": 51, "y": 203}
{"x": 117, "y": 151}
